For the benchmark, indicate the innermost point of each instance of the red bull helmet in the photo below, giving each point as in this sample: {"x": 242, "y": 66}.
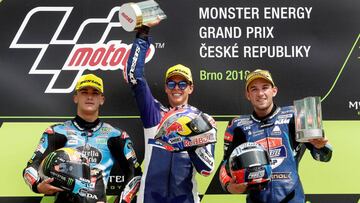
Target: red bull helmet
{"x": 184, "y": 128}
{"x": 69, "y": 168}
{"x": 249, "y": 163}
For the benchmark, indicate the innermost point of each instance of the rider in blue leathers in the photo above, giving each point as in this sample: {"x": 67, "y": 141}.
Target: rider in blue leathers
{"x": 169, "y": 177}
{"x": 273, "y": 127}
{"x": 101, "y": 143}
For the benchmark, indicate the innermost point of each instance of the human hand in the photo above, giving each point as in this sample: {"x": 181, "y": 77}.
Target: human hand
{"x": 236, "y": 188}
{"x": 319, "y": 143}
{"x": 46, "y": 188}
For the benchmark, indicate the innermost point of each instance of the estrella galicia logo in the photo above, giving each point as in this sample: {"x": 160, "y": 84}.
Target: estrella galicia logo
{"x": 93, "y": 154}
{"x": 105, "y": 54}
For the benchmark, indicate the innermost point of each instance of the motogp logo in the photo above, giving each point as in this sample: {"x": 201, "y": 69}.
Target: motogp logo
{"x": 104, "y": 54}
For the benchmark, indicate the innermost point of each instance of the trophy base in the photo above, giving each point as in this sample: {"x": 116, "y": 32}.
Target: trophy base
{"x": 308, "y": 134}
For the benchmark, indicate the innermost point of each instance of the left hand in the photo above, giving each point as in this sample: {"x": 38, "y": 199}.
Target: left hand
{"x": 46, "y": 188}
{"x": 130, "y": 190}
{"x": 236, "y": 188}
{"x": 319, "y": 143}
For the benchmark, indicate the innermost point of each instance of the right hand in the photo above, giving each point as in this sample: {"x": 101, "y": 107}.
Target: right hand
{"x": 153, "y": 23}
{"x": 46, "y": 188}
{"x": 236, "y": 188}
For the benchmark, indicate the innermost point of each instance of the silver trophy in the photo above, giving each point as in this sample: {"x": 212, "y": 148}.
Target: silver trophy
{"x": 308, "y": 119}
{"x": 133, "y": 15}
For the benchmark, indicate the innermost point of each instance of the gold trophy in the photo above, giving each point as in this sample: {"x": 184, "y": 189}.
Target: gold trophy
{"x": 134, "y": 15}
{"x": 308, "y": 119}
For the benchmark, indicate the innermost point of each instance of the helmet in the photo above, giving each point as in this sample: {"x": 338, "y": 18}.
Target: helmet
{"x": 184, "y": 128}
{"x": 249, "y": 163}
{"x": 69, "y": 168}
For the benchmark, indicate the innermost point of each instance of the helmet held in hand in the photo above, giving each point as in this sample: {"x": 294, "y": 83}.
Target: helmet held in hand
{"x": 249, "y": 163}
{"x": 185, "y": 128}
{"x": 69, "y": 168}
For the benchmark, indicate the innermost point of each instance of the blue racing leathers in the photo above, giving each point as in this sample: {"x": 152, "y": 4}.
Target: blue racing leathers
{"x": 169, "y": 177}
{"x": 102, "y": 144}
{"x": 276, "y": 133}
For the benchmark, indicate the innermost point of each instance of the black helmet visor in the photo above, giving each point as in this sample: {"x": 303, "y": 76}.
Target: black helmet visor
{"x": 249, "y": 159}
{"x": 199, "y": 124}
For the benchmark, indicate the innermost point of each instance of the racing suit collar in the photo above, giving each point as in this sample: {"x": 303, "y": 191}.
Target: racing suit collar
{"x": 178, "y": 107}
{"x": 85, "y": 125}
{"x": 272, "y": 113}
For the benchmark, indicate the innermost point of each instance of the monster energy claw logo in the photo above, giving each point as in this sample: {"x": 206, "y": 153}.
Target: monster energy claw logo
{"x": 70, "y": 181}
{"x": 48, "y": 160}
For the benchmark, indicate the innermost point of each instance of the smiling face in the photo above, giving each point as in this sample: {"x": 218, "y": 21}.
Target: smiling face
{"x": 88, "y": 102}
{"x": 260, "y": 93}
{"x": 177, "y": 96}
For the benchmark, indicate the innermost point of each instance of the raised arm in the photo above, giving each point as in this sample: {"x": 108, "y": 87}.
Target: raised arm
{"x": 134, "y": 75}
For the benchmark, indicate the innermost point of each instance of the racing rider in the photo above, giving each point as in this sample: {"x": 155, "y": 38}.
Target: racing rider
{"x": 272, "y": 127}
{"x": 169, "y": 177}
{"x": 100, "y": 142}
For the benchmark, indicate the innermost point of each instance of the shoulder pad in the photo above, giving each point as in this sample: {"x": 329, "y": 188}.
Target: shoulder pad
{"x": 124, "y": 135}
{"x": 242, "y": 120}
{"x": 110, "y": 127}
{"x": 50, "y": 130}
{"x": 211, "y": 120}
{"x": 237, "y": 121}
